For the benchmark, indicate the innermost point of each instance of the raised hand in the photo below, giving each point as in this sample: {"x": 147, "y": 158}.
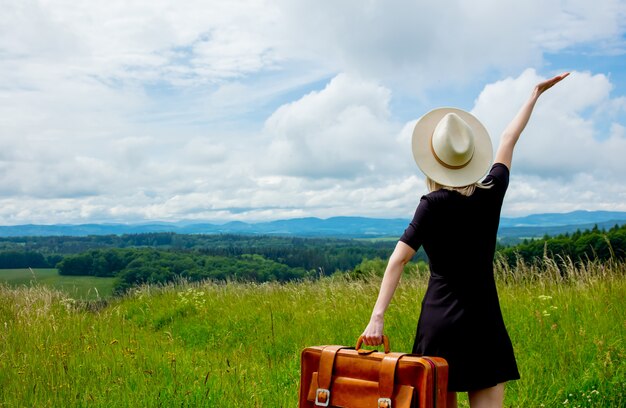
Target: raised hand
{"x": 549, "y": 83}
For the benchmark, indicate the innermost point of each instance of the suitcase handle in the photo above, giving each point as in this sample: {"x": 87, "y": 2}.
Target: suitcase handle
{"x": 359, "y": 343}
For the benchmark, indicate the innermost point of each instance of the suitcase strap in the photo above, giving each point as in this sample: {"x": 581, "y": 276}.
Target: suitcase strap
{"x": 325, "y": 374}
{"x": 386, "y": 380}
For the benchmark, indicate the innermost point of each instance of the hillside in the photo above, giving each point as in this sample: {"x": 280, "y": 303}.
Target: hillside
{"x": 238, "y": 345}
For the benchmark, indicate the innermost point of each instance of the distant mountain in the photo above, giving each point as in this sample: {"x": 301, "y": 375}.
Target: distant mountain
{"x": 535, "y": 225}
{"x": 561, "y": 219}
{"x": 331, "y": 227}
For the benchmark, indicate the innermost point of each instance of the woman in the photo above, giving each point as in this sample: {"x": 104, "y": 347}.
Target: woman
{"x": 457, "y": 223}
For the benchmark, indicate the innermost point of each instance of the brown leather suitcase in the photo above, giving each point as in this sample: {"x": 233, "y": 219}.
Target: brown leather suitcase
{"x": 338, "y": 376}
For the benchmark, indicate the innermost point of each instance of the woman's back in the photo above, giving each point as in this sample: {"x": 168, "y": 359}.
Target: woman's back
{"x": 456, "y": 230}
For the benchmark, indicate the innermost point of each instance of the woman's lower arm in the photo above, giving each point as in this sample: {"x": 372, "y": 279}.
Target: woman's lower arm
{"x": 388, "y": 287}
{"x": 513, "y": 131}
{"x": 374, "y": 331}
{"x": 401, "y": 255}
{"x": 519, "y": 122}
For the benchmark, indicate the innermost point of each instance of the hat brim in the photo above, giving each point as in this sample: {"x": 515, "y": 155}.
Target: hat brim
{"x": 477, "y": 167}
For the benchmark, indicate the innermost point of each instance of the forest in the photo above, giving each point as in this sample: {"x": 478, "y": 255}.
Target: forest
{"x": 579, "y": 246}
{"x": 165, "y": 257}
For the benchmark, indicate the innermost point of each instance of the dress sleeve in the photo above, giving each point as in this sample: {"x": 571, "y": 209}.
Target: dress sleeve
{"x": 499, "y": 176}
{"x": 414, "y": 234}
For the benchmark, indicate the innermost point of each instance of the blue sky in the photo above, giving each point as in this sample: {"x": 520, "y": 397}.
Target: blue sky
{"x": 128, "y": 111}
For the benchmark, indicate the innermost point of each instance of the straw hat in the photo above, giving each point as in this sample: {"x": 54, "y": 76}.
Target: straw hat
{"x": 452, "y": 147}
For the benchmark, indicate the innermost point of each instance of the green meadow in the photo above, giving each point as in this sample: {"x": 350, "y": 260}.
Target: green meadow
{"x": 77, "y": 287}
{"x": 238, "y": 345}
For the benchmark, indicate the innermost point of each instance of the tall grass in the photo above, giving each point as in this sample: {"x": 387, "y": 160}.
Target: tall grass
{"x": 238, "y": 345}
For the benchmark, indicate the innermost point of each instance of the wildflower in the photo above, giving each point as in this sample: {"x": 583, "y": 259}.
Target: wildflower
{"x": 544, "y": 297}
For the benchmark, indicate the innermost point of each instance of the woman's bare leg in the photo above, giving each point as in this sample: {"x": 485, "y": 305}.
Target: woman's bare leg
{"x": 451, "y": 400}
{"x": 492, "y": 397}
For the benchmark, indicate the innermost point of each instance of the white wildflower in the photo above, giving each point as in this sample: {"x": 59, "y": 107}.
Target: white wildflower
{"x": 545, "y": 297}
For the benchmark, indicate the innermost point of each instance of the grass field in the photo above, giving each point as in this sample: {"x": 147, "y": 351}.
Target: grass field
{"x": 238, "y": 345}
{"x": 77, "y": 287}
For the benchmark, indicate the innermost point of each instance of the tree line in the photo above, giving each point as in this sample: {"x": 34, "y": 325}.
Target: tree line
{"x": 580, "y": 246}
{"x": 164, "y": 257}
{"x": 14, "y": 259}
{"x": 328, "y": 254}
{"x": 134, "y": 267}
{"x": 226, "y": 244}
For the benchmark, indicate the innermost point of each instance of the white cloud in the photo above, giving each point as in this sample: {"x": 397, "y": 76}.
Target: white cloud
{"x": 422, "y": 45}
{"x": 579, "y": 21}
{"x": 211, "y": 42}
{"x": 126, "y": 110}
{"x": 342, "y": 131}
{"x": 141, "y": 40}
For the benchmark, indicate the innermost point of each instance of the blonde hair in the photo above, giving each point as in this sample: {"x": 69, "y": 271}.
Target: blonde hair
{"x": 464, "y": 190}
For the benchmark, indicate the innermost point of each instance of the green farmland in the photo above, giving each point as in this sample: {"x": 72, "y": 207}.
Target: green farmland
{"x": 76, "y": 287}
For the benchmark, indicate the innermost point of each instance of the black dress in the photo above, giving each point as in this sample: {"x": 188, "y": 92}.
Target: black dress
{"x": 461, "y": 319}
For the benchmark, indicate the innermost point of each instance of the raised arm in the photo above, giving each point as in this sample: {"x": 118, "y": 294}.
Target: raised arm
{"x": 513, "y": 131}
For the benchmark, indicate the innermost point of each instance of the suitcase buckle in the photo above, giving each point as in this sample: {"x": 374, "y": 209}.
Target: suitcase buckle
{"x": 384, "y": 402}
{"x": 325, "y": 396}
